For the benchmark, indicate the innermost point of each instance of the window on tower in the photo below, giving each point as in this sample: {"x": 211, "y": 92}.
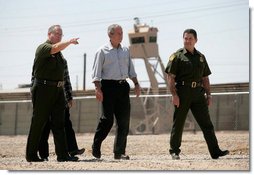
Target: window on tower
{"x": 138, "y": 40}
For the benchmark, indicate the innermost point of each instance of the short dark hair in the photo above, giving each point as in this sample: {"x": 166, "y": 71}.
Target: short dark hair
{"x": 191, "y": 31}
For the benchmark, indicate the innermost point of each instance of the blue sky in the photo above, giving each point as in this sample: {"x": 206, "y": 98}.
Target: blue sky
{"x": 222, "y": 26}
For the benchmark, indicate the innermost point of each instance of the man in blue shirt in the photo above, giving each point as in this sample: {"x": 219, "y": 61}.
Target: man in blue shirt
{"x": 112, "y": 66}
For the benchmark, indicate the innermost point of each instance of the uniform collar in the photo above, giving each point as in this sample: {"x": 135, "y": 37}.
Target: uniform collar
{"x": 110, "y": 47}
{"x": 186, "y": 51}
{"x": 49, "y": 42}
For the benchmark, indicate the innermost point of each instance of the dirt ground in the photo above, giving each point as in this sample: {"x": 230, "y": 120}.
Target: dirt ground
{"x": 147, "y": 152}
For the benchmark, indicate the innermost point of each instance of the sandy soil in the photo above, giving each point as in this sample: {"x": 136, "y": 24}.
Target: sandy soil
{"x": 147, "y": 152}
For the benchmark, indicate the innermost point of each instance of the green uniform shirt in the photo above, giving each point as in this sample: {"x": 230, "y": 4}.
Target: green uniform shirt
{"x": 187, "y": 66}
{"x": 47, "y": 66}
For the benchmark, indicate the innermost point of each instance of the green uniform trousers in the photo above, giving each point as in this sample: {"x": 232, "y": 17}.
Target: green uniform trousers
{"x": 193, "y": 99}
{"x": 48, "y": 101}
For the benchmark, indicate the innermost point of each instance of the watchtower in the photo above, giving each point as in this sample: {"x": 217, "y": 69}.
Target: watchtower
{"x": 143, "y": 45}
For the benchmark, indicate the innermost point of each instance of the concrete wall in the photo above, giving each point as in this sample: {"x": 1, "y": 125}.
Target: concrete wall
{"x": 228, "y": 112}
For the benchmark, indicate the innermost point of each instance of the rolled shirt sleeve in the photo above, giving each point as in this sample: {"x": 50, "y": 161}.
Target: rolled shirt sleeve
{"x": 97, "y": 66}
{"x": 132, "y": 72}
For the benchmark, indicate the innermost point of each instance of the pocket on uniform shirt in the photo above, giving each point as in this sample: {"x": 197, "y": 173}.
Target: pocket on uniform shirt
{"x": 187, "y": 67}
{"x": 52, "y": 62}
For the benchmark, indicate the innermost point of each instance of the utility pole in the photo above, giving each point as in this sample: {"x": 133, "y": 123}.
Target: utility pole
{"x": 76, "y": 82}
{"x": 84, "y": 76}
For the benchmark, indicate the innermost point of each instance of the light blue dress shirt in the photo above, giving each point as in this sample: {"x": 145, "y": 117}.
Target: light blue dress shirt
{"x": 112, "y": 64}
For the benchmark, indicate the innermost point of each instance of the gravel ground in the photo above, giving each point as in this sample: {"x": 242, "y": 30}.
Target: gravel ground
{"x": 147, "y": 152}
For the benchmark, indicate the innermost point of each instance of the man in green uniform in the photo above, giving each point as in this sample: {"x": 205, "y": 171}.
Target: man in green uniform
{"x": 189, "y": 84}
{"x": 48, "y": 95}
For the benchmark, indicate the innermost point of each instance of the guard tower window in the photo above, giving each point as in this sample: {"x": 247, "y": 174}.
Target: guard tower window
{"x": 138, "y": 40}
{"x": 152, "y": 39}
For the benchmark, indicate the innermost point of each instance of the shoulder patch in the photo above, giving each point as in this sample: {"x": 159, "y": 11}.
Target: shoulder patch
{"x": 201, "y": 59}
{"x": 172, "y": 57}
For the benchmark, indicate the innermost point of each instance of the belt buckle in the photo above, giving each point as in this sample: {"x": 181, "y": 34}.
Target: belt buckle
{"x": 59, "y": 83}
{"x": 193, "y": 84}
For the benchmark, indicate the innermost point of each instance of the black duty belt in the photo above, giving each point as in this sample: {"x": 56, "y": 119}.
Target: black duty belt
{"x": 115, "y": 81}
{"x": 49, "y": 82}
{"x": 192, "y": 84}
